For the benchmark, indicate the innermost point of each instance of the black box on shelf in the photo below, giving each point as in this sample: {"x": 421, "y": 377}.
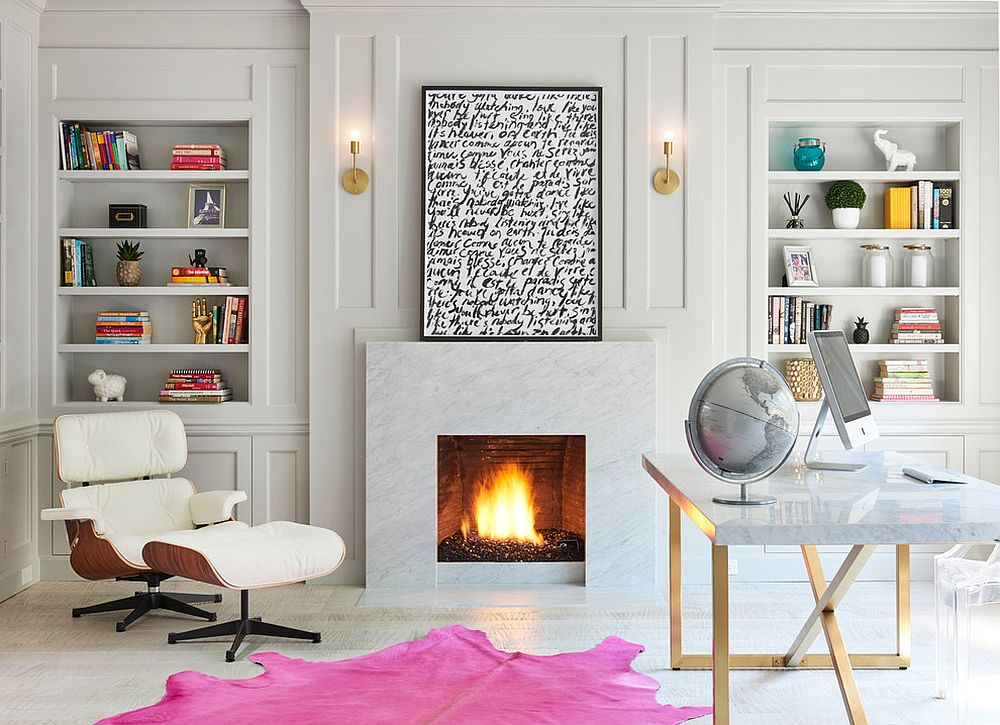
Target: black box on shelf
{"x": 127, "y": 216}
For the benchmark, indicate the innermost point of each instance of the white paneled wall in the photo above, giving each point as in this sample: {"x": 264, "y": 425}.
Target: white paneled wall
{"x": 18, "y": 321}
{"x": 333, "y": 271}
{"x": 366, "y": 72}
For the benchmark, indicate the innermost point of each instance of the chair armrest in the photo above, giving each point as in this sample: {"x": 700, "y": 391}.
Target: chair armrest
{"x": 211, "y": 507}
{"x": 70, "y": 513}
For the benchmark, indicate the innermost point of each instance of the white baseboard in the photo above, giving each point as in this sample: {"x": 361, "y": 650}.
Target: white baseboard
{"x": 11, "y": 583}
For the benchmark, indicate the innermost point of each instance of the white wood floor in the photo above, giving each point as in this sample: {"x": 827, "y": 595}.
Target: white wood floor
{"x": 55, "y": 669}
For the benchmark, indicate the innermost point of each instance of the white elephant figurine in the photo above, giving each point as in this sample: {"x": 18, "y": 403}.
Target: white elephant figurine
{"x": 107, "y": 387}
{"x": 894, "y": 156}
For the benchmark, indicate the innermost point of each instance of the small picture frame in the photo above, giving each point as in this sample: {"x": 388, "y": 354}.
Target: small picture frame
{"x": 800, "y": 271}
{"x": 207, "y": 205}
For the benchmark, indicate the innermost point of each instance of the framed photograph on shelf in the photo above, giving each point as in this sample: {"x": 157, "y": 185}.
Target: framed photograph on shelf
{"x": 511, "y": 213}
{"x": 207, "y": 205}
{"x": 799, "y": 268}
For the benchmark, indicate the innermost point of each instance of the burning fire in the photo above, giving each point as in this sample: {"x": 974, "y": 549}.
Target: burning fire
{"x": 504, "y": 506}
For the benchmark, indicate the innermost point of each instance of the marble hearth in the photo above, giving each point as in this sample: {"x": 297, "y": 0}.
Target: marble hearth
{"x": 418, "y": 391}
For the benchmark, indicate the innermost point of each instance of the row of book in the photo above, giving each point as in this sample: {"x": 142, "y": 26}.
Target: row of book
{"x": 904, "y": 381}
{"x": 189, "y": 385}
{"x": 83, "y": 149}
{"x": 789, "y": 319}
{"x": 199, "y": 275}
{"x": 77, "y": 264}
{"x": 916, "y": 326}
{"x": 229, "y": 322}
{"x": 198, "y": 157}
{"x": 925, "y": 205}
{"x": 123, "y": 327}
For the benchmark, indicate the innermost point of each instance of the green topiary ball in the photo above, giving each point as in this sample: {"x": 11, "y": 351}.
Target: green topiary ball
{"x": 845, "y": 195}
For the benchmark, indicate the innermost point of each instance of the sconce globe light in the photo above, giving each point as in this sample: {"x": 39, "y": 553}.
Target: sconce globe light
{"x": 355, "y": 181}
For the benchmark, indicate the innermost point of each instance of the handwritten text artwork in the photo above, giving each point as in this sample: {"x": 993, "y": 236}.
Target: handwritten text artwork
{"x": 511, "y": 216}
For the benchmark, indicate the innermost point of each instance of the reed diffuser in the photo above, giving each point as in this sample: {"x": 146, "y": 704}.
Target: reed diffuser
{"x": 795, "y": 208}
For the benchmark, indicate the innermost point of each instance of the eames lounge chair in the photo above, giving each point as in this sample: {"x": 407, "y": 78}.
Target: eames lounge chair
{"x": 109, "y": 523}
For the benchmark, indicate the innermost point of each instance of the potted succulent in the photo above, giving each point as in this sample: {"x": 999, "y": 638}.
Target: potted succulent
{"x": 129, "y": 272}
{"x": 845, "y": 199}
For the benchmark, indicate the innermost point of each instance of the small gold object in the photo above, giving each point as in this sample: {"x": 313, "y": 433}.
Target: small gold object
{"x": 803, "y": 379}
{"x": 355, "y": 181}
{"x": 201, "y": 321}
{"x": 666, "y": 181}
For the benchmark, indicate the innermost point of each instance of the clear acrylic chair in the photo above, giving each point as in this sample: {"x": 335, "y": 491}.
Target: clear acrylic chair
{"x": 960, "y": 583}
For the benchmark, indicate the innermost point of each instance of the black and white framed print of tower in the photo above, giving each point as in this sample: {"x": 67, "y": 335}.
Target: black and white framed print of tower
{"x": 511, "y": 213}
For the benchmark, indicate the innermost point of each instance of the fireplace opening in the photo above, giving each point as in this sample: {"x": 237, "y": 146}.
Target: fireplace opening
{"x": 511, "y": 498}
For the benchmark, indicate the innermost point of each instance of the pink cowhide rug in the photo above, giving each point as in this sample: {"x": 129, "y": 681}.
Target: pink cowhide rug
{"x": 453, "y": 675}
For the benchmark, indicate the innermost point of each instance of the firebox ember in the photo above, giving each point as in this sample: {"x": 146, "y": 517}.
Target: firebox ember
{"x": 505, "y": 498}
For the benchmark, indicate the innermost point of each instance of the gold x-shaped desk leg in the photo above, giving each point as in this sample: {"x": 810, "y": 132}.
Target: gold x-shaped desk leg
{"x": 823, "y": 616}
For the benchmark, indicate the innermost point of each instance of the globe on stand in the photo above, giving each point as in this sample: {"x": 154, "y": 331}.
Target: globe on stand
{"x": 742, "y": 425}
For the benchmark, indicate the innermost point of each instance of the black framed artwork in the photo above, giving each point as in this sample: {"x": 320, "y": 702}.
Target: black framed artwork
{"x": 511, "y": 213}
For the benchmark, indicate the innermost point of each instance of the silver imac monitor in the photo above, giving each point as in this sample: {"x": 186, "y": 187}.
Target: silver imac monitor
{"x": 843, "y": 396}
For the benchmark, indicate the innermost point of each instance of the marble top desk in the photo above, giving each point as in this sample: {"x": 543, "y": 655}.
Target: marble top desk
{"x": 864, "y": 509}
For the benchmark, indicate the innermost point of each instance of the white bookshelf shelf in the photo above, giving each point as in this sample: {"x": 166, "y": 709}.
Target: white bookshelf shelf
{"x": 164, "y": 291}
{"x": 165, "y": 347}
{"x": 145, "y": 404}
{"x": 874, "y": 348}
{"x": 865, "y": 291}
{"x": 807, "y": 234}
{"x": 888, "y": 177}
{"x": 155, "y": 232}
{"x": 157, "y": 175}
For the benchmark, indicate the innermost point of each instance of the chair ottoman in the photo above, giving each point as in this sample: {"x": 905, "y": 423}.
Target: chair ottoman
{"x": 269, "y": 555}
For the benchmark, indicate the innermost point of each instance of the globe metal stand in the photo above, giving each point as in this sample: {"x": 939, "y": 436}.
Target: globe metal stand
{"x": 745, "y": 498}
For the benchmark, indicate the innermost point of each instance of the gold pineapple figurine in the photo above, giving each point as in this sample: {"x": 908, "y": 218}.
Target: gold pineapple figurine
{"x": 201, "y": 321}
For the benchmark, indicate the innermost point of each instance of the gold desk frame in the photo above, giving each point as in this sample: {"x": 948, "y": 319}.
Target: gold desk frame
{"x": 823, "y": 616}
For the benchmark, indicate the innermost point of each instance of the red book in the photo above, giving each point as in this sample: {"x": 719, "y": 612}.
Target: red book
{"x": 197, "y": 146}
{"x": 190, "y": 272}
{"x": 241, "y": 312}
{"x": 195, "y": 167}
{"x": 132, "y": 329}
{"x": 918, "y": 326}
{"x": 199, "y": 152}
{"x": 194, "y": 386}
{"x": 181, "y": 159}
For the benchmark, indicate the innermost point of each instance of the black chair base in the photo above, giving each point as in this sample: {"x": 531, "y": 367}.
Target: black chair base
{"x": 240, "y": 628}
{"x": 144, "y": 602}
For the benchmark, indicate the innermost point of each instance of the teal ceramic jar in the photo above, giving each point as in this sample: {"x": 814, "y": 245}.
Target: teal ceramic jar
{"x": 809, "y": 154}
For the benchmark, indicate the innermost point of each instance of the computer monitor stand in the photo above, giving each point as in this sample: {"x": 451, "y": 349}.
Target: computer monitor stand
{"x": 812, "y": 459}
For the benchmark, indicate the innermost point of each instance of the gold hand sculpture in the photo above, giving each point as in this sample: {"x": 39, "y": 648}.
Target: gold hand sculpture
{"x": 201, "y": 321}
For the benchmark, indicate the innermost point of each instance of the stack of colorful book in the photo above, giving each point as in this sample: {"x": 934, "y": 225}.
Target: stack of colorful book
{"x": 789, "y": 319}
{"x": 916, "y": 326}
{"x": 195, "y": 386}
{"x": 199, "y": 275}
{"x": 229, "y": 322}
{"x": 904, "y": 381}
{"x": 77, "y": 264}
{"x": 124, "y": 327}
{"x": 198, "y": 157}
{"x": 84, "y": 150}
{"x": 925, "y": 205}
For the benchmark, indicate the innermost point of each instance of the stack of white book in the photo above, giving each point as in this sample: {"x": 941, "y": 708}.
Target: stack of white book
{"x": 904, "y": 381}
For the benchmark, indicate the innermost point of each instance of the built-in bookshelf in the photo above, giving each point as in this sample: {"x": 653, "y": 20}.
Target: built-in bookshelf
{"x": 81, "y": 209}
{"x": 837, "y": 254}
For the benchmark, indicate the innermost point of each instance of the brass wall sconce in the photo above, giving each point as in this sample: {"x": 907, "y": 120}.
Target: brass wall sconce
{"x": 355, "y": 181}
{"x": 666, "y": 181}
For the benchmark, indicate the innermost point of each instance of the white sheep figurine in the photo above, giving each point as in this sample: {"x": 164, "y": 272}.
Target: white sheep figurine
{"x": 107, "y": 387}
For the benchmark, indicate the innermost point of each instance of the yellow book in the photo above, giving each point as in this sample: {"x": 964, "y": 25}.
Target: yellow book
{"x": 897, "y": 207}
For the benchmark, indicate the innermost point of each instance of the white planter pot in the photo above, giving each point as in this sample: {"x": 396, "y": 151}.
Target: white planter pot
{"x": 846, "y": 218}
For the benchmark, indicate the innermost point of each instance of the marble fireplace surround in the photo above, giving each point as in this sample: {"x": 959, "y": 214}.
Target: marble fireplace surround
{"x": 416, "y": 391}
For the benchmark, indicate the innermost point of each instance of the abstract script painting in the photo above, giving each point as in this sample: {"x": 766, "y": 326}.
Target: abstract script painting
{"x": 453, "y": 675}
{"x": 511, "y": 213}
